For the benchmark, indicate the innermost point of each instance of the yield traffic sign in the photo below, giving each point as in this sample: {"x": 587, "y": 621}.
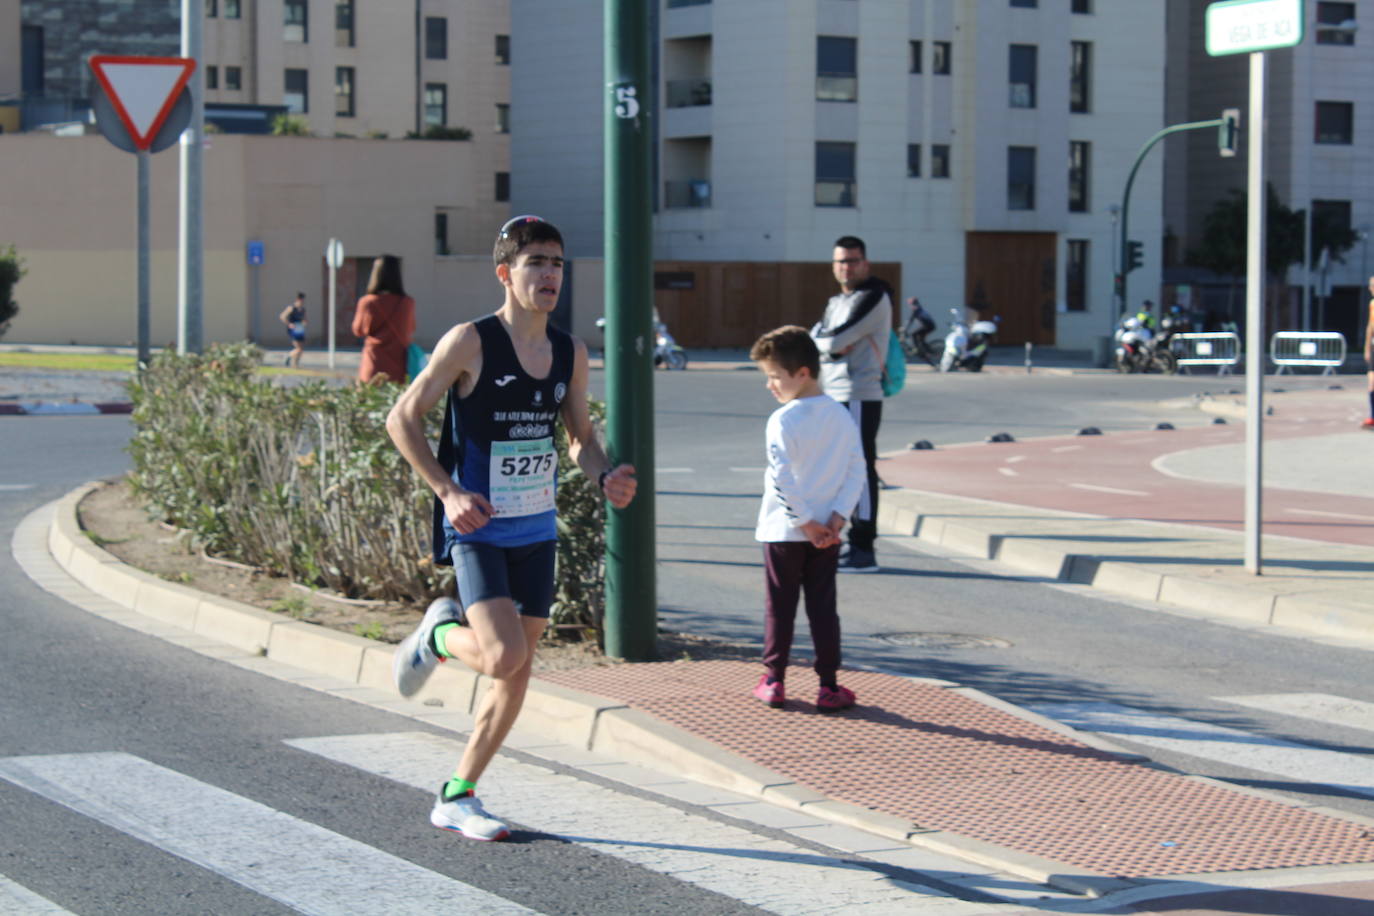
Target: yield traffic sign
{"x": 142, "y": 90}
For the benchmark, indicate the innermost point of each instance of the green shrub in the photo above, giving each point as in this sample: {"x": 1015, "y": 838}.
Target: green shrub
{"x": 306, "y": 483}
{"x": 290, "y": 125}
{"x": 440, "y": 132}
{"x": 11, "y": 271}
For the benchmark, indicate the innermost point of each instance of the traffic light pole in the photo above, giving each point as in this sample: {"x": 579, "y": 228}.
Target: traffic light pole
{"x": 631, "y": 622}
{"x": 1126, "y": 266}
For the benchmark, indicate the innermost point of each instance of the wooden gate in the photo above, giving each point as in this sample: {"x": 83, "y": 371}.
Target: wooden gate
{"x": 1012, "y": 274}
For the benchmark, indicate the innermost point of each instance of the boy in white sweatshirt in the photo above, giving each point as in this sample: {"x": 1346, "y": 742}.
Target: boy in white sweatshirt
{"x": 815, "y": 474}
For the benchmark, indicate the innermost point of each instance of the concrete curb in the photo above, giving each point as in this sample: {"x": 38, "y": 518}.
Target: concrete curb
{"x": 908, "y": 513}
{"x": 561, "y": 714}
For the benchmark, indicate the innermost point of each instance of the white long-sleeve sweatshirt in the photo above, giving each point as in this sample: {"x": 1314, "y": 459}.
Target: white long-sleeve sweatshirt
{"x": 815, "y": 467}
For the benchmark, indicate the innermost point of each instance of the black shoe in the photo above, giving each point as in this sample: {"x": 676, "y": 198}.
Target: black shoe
{"x": 858, "y": 561}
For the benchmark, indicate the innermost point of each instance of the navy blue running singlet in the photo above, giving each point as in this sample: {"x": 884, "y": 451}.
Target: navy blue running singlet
{"x": 500, "y": 443}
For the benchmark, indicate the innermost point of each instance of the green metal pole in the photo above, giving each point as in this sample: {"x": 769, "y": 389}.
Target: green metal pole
{"x": 631, "y": 623}
{"x": 1126, "y": 204}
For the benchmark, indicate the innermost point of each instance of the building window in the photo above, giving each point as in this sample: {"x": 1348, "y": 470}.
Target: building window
{"x": 441, "y": 247}
{"x": 837, "y": 74}
{"x": 344, "y": 36}
{"x": 297, "y": 17}
{"x": 436, "y": 38}
{"x": 503, "y": 186}
{"x": 212, "y": 77}
{"x": 233, "y": 78}
{"x": 211, "y": 10}
{"x": 1336, "y": 23}
{"x": 939, "y": 160}
{"x": 1082, "y": 6}
{"x": 1076, "y": 276}
{"x": 1080, "y": 165}
{"x": 915, "y": 64}
{"x": 913, "y": 160}
{"x": 1328, "y": 217}
{"x": 940, "y": 58}
{"x": 1080, "y": 76}
{"x": 436, "y": 104}
{"x": 231, "y": 9}
{"x": 296, "y": 98}
{"x": 1335, "y": 122}
{"x": 1020, "y": 178}
{"x": 1022, "y": 66}
{"x": 1027, "y": 4}
{"x": 502, "y": 118}
{"x": 835, "y": 184}
{"x": 343, "y": 92}
{"x": 503, "y": 49}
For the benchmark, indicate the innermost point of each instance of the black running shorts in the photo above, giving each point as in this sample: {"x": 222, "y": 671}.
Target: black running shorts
{"x": 522, "y": 574}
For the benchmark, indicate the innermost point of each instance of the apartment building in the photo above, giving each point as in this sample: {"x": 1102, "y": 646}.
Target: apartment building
{"x": 979, "y": 144}
{"x": 1320, "y": 100}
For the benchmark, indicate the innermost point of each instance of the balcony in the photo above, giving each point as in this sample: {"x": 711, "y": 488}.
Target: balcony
{"x": 837, "y": 87}
{"x": 831, "y": 192}
{"x": 688, "y": 93}
{"x": 694, "y": 193}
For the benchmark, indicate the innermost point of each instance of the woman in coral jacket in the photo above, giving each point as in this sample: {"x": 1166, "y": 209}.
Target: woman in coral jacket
{"x": 385, "y": 319}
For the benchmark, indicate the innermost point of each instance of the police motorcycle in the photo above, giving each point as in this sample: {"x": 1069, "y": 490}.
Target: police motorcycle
{"x": 1138, "y": 349}
{"x": 915, "y": 329}
{"x": 966, "y": 346}
{"x": 667, "y": 352}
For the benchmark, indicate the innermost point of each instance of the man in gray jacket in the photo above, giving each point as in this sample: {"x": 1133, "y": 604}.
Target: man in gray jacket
{"x": 852, "y": 338}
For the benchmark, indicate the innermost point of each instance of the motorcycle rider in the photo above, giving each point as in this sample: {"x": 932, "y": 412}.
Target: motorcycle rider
{"x": 852, "y": 337}
{"x": 918, "y": 325}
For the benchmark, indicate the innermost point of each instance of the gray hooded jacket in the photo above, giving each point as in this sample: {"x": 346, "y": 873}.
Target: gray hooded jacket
{"x": 858, "y": 322}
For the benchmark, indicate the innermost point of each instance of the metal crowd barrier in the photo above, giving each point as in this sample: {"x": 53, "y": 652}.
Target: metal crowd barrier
{"x": 1209, "y": 348}
{"x": 1308, "y": 348}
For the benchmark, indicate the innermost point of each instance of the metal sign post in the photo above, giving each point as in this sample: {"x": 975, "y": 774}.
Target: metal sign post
{"x": 141, "y": 106}
{"x": 334, "y": 257}
{"x": 191, "y": 240}
{"x": 1252, "y": 27}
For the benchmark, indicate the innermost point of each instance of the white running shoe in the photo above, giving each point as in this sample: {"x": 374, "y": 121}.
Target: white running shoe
{"x": 466, "y": 815}
{"x": 415, "y": 658}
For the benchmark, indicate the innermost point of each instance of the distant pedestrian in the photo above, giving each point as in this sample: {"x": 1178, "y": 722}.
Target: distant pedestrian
{"x": 852, "y": 338}
{"x": 293, "y": 316}
{"x": 1369, "y": 356}
{"x": 814, "y": 478}
{"x": 385, "y": 319}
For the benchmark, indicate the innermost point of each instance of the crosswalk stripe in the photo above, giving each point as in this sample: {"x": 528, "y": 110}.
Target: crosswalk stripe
{"x": 294, "y": 862}
{"x": 1298, "y": 762}
{"x": 1321, "y": 706}
{"x": 11, "y": 487}
{"x": 760, "y": 871}
{"x": 17, "y": 900}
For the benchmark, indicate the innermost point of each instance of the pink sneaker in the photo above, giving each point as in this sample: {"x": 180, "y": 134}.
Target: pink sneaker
{"x": 1368, "y": 423}
{"x": 772, "y": 694}
{"x": 830, "y": 700}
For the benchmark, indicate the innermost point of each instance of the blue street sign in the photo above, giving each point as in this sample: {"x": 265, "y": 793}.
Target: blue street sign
{"x": 256, "y": 253}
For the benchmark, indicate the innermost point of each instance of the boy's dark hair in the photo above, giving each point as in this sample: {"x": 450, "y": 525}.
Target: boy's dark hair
{"x": 790, "y": 347}
{"x": 521, "y": 232}
{"x": 852, "y": 241}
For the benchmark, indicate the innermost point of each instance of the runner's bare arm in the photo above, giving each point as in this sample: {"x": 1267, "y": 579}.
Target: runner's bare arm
{"x": 457, "y": 359}
{"x": 619, "y": 483}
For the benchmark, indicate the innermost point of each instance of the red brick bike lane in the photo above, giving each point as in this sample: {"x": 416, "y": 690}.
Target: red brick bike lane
{"x": 1117, "y": 475}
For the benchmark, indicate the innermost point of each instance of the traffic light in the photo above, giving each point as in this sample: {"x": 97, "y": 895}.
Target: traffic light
{"x": 1228, "y": 134}
{"x": 1134, "y": 256}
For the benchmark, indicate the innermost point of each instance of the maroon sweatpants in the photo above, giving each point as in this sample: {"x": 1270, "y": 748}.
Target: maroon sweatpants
{"x": 794, "y": 568}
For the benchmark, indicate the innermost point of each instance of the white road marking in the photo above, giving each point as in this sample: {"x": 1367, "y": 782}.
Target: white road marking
{"x": 15, "y": 486}
{"x": 1320, "y": 706}
{"x": 17, "y": 900}
{"x": 1016, "y": 458}
{"x": 673, "y": 470}
{"x": 1299, "y": 763}
{"x": 1066, "y": 448}
{"x": 1361, "y": 518}
{"x": 1117, "y": 490}
{"x": 766, "y": 873}
{"x": 296, "y": 863}
{"x": 749, "y": 470}
{"x": 1008, "y": 472}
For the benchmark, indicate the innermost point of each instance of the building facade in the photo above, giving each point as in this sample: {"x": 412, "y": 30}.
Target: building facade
{"x": 979, "y": 143}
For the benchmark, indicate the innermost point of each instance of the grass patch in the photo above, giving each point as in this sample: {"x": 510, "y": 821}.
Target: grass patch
{"x": 71, "y": 362}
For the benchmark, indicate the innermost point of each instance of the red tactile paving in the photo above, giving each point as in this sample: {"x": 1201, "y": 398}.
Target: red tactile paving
{"x": 947, "y": 762}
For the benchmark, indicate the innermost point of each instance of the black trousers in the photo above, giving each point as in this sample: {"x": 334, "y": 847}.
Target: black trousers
{"x": 863, "y": 524}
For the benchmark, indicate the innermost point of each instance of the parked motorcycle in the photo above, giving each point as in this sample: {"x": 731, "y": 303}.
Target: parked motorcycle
{"x": 966, "y": 346}
{"x": 667, "y": 352}
{"x": 1138, "y": 349}
{"x": 915, "y": 329}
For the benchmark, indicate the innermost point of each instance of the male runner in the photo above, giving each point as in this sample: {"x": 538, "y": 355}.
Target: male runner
{"x": 510, "y": 376}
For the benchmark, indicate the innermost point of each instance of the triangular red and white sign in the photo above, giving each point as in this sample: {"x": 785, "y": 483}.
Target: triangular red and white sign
{"x": 142, "y": 90}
